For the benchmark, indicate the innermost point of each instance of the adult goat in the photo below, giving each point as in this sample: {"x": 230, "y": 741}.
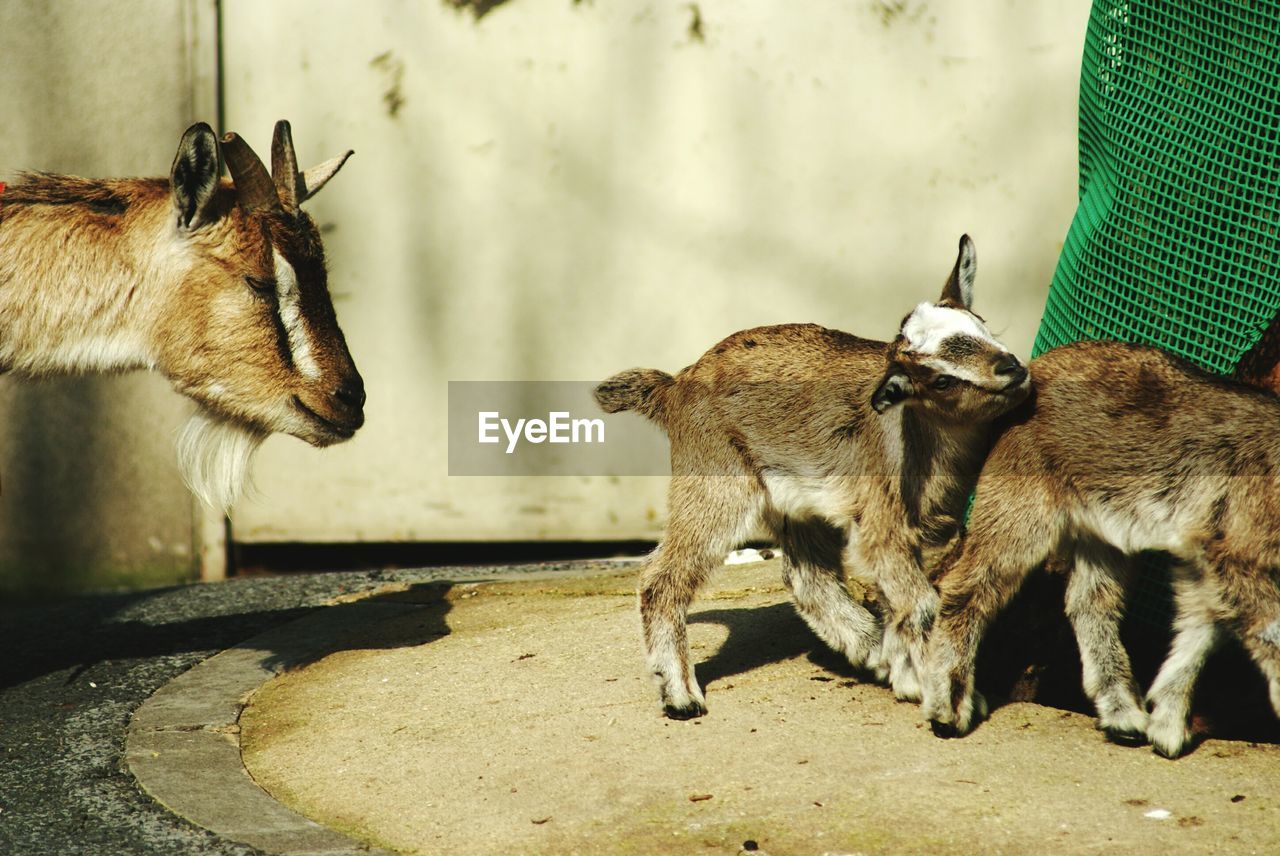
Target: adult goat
{"x": 219, "y": 286}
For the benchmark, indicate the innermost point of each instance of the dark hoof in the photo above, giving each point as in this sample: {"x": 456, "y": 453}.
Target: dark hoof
{"x": 1125, "y": 738}
{"x": 1165, "y": 753}
{"x": 943, "y": 730}
{"x": 693, "y": 711}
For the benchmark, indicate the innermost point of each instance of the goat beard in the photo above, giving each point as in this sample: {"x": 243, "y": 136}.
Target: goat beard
{"x": 215, "y": 455}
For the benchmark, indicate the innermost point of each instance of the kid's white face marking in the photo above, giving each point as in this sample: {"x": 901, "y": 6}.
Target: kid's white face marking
{"x": 295, "y": 327}
{"x": 929, "y": 325}
{"x": 962, "y": 372}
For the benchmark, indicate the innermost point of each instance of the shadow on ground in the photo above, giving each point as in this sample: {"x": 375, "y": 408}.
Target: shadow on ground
{"x": 426, "y": 607}
{"x": 1030, "y": 654}
{"x": 75, "y": 634}
{"x": 85, "y": 631}
{"x": 757, "y": 637}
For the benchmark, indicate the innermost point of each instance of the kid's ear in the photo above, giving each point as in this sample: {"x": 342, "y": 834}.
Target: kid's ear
{"x": 959, "y": 288}
{"x": 894, "y": 387}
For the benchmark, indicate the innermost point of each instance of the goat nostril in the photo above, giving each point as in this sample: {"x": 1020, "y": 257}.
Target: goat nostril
{"x": 351, "y": 393}
{"x": 1008, "y": 365}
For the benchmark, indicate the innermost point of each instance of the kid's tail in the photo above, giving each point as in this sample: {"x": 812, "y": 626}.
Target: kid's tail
{"x": 641, "y": 390}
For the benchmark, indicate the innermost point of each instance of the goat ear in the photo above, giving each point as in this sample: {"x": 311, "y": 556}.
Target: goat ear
{"x": 193, "y": 179}
{"x": 959, "y": 288}
{"x": 893, "y": 388}
{"x": 318, "y": 176}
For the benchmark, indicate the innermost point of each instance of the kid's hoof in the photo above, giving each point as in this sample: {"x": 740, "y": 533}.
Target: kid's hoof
{"x": 689, "y": 711}
{"x": 1171, "y": 752}
{"x": 943, "y": 729}
{"x": 1125, "y": 737}
{"x": 1169, "y": 737}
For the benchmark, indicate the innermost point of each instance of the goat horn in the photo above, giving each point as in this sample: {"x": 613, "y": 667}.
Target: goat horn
{"x": 318, "y": 176}
{"x": 284, "y": 168}
{"x": 254, "y": 190}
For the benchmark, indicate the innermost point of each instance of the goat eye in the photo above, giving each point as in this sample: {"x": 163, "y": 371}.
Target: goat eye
{"x": 945, "y": 381}
{"x": 262, "y": 286}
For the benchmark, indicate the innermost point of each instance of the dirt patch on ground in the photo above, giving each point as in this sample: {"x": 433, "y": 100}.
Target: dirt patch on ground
{"x": 518, "y": 718}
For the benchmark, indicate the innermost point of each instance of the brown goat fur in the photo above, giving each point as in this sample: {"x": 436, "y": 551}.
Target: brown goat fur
{"x": 851, "y": 452}
{"x": 220, "y": 286}
{"x": 1122, "y": 449}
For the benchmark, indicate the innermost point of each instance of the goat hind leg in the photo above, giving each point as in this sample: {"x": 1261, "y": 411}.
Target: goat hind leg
{"x": 1095, "y": 605}
{"x": 667, "y": 587}
{"x": 708, "y": 515}
{"x": 812, "y": 551}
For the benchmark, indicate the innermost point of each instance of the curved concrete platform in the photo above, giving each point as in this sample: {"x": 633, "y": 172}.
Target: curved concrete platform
{"x": 516, "y": 717}
{"x": 183, "y": 743}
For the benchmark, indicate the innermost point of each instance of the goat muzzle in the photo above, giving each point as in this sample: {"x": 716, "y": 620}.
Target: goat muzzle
{"x": 1007, "y": 366}
{"x": 350, "y": 395}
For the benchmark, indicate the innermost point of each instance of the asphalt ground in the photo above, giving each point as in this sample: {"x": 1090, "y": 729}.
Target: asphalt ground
{"x": 75, "y": 669}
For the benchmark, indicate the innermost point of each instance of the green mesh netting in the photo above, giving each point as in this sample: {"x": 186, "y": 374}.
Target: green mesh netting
{"x": 1176, "y": 241}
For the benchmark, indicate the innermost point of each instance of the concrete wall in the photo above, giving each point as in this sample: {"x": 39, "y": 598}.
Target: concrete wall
{"x": 557, "y": 190}
{"x": 89, "y": 491}
{"x": 550, "y": 190}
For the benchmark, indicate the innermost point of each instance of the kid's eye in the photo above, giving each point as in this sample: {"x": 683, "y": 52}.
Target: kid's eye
{"x": 945, "y": 381}
{"x": 262, "y": 286}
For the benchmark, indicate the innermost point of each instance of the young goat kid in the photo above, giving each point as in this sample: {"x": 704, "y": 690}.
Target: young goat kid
{"x": 220, "y": 287}
{"x": 1122, "y": 449}
{"x": 849, "y": 451}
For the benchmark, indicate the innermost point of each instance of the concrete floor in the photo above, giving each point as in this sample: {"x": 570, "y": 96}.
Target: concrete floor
{"x": 517, "y": 717}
